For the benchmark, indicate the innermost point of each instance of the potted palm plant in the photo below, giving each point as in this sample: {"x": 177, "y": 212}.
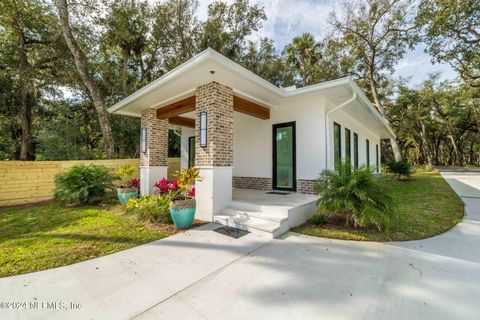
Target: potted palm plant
{"x": 182, "y": 205}
{"x": 128, "y": 186}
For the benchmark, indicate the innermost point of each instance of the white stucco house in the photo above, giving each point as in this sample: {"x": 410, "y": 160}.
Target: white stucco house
{"x": 250, "y": 137}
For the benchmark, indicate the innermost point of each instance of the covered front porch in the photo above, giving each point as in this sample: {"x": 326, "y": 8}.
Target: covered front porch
{"x": 225, "y": 115}
{"x": 208, "y": 117}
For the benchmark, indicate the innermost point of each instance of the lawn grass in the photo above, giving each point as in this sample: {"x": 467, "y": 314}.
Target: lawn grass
{"x": 50, "y": 235}
{"x": 427, "y": 207}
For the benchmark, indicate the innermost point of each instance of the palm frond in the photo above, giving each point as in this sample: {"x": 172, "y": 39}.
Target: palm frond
{"x": 356, "y": 192}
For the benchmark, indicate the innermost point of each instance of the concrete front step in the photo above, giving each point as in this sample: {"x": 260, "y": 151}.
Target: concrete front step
{"x": 252, "y": 223}
{"x": 275, "y": 210}
{"x": 256, "y": 214}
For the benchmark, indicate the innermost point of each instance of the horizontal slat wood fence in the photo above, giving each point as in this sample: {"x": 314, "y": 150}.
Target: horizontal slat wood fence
{"x": 25, "y": 182}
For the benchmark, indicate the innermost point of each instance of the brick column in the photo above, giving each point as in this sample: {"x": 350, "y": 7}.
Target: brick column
{"x": 153, "y": 163}
{"x": 215, "y": 161}
{"x": 217, "y": 101}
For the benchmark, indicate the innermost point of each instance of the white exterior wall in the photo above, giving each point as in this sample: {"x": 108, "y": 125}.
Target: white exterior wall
{"x": 345, "y": 120}
{"x": 149, "y": 175}
{"x": 252, "y": 139}
{"x": 213, "y": 192}
{"x": 186, "y": 133}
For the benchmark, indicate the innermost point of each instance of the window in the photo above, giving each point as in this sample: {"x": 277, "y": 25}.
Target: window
{"x": 191, "y": 152}
{"x": 355, "y": 150}
{"x": 367, "y": 151}
{"x": 337, "y": 149}
{"x": 348, "y": 145}
{"x": 377, "y": 158}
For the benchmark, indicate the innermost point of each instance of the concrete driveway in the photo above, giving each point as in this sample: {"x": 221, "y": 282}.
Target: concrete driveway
{"x": 201, "y": 275}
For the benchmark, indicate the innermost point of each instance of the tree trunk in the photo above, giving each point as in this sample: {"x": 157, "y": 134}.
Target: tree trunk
{"x": 471, "y": 161}
{"x": 303, "y": 70}
{"x": 25, "y": 102}
{"x": 457, "y": 159}
{"x": 475, "y": 112}
{"x": 437, "y": 151}
{"x": 426, "y": 149}
{"x": 419, "y": 151}
{"x": 125, "y": 74}
{"x": 82, "y": 68}
{"x": 121, "y": 143}
{"x": 397, "y": 153}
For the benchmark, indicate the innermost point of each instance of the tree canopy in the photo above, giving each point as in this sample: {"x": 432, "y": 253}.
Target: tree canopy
{"x": 64, "y": 62}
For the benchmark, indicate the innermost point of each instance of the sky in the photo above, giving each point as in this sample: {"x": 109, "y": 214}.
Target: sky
{"x": 289, "y": 18}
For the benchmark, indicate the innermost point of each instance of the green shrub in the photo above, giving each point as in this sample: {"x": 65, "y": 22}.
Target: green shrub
{"x": 400, "y": 168}
{"x": 357, "y": 195}
{"x": 84, "y": 184}
{"x": 151, "y": 208}
{"x": 125, "y": 174}
{"x": 318, "y": 220}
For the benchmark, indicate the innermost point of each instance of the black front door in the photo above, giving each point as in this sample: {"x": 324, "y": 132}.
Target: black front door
{"x": 284, "y": 157}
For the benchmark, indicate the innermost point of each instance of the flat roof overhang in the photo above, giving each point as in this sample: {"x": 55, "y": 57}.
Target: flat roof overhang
{"x": 181, "y": 83}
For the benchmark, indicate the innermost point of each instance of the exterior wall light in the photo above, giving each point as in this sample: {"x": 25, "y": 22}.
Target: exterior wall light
{"x": 143, "y": 140}
{"x": 203, "y": 129}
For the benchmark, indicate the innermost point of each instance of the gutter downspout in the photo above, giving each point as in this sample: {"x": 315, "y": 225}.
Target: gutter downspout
{"x": 327, "y": 124}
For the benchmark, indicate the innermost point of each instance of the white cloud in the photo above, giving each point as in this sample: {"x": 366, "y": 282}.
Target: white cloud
{"x": 289, "y": 18}
{"x": 417, "y": 65}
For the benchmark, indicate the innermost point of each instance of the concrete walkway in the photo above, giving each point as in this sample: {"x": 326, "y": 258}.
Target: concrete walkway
{"x": 301, "y": 277}
{"x": 204, "y": 275}
{"x": 124, "y": 284}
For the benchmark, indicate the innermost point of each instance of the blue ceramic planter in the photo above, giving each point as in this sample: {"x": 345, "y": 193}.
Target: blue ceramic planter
{"x": 183, "y": 218}
{"x": 124, "y": 196}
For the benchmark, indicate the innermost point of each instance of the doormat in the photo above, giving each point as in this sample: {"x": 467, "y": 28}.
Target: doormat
{"x": 278, "y": 192}
{"x": 231, "y": 232}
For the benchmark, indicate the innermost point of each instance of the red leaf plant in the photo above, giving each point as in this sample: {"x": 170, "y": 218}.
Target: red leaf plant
{"x": 191, "y": 193}
{"x": 165, "y": 186}
{"x": 135, "y": 183}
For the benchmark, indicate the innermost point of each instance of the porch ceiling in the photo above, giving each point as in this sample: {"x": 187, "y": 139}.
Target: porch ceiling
{"x": 187, "y": 105}
{"x": 182, "y": 121}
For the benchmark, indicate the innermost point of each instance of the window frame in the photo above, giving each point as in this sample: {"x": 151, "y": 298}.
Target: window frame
{"x": 276, "y": 126}
{"x": 190, "y": 161}
{"x": 355, "y": 150}
{"x": 348, "y": 146}
{"x": 367, "y": 152}
{"x": 335, "y": 153}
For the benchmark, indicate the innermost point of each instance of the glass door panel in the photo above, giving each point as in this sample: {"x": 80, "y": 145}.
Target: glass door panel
{"x": 284, "y": 157}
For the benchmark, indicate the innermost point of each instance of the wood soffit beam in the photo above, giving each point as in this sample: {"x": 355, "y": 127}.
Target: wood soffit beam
{"x": 182, "y": 121}
{"x": 176, "y": 108}
{"x": 188, "y": 105}
{"x": 250, "y": 108}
